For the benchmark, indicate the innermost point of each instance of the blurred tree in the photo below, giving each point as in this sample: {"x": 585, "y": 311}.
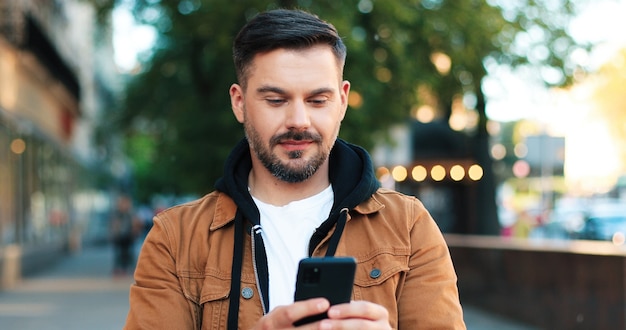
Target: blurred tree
{"x": 402, "y": 54}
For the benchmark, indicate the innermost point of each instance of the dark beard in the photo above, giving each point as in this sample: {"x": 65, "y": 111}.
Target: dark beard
{"x": 273, "y": 164}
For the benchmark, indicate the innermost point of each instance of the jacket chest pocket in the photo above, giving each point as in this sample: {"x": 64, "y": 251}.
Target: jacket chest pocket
{"x": 380, "y": 278}
{"x": 214, "y": 302}
{"x": 208, "y": 297}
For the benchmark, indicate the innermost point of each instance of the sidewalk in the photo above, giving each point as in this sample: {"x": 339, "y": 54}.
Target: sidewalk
{"x": 477, "y": 319}
{"x": 80, "y": 293}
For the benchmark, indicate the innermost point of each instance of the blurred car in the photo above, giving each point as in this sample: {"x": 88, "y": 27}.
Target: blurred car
{"x": 605, "y": 221}
{"x": 604, "y": 227}
{"x": 566, "y": 221}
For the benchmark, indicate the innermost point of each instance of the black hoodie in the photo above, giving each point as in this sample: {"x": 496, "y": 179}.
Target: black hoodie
{"x": 353, "y": 181}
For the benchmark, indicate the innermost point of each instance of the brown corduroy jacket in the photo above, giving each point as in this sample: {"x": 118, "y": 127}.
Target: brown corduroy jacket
{"x": 183, "y": 274}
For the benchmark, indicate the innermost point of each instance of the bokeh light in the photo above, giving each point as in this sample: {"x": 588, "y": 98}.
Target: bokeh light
{"x": 399, "y": 173}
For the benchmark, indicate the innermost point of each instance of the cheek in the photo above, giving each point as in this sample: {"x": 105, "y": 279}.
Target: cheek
{"x": 263, "y": 126}
{"x": 331, "y": 127}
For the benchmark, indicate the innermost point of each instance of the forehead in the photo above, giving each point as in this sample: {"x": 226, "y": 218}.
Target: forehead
{"x": 313, "y": 65}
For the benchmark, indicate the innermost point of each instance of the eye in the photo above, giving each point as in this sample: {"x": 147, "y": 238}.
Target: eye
{"x": 318, "y": 101}
{"x": 275, "y": 101}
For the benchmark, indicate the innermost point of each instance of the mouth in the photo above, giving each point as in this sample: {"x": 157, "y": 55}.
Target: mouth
{"x": 295, "y": 145}
{"x": 295, "y": 141}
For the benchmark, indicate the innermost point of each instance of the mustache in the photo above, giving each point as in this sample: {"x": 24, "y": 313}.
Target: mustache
{"x": 296, "y": 136}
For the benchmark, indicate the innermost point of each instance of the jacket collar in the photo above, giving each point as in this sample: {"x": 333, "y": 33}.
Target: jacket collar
{"x": 369, "y": 206}
{"x": 224, "y": 212}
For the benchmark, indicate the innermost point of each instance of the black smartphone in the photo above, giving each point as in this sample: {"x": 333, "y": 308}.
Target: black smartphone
{"x": 328, "y": 277}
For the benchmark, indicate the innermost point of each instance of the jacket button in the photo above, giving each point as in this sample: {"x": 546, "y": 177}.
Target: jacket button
{"x": 375, "y": 273}
{"x": 247, "y": 293}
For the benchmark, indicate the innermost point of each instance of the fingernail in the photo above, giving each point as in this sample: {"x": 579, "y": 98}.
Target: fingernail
{"x": 326, "y": 325}
{"x": 333, "y": 313}
{"x": 323, "y": 305}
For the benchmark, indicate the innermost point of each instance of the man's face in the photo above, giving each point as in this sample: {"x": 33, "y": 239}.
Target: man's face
{"x": 292, "y": 109}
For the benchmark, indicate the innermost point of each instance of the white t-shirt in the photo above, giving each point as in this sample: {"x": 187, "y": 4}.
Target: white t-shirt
{"x": 286, "y": 233}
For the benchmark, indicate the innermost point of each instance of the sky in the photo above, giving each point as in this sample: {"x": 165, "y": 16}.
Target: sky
{"x": 129, "y": 38}
{"x": 514, "y": 95}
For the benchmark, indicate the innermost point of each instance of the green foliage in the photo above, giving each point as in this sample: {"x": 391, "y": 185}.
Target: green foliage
{"x": 176, "y": 114}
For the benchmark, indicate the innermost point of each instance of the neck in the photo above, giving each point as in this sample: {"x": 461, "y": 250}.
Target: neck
{"x": 269, "y": 189}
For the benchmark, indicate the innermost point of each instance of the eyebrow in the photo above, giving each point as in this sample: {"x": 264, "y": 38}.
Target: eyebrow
{"x": 270, "y": 89}
{"x": 278, "y": 90}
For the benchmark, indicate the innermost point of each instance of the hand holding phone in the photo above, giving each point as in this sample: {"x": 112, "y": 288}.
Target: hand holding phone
{"x": 328, "y": 277}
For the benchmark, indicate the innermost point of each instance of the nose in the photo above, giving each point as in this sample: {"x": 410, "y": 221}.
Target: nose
{"x": 298, "y": 116}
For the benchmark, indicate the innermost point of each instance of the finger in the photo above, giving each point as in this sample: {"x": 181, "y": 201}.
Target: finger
{"x": 286, "y": 315}
{"x": 359, "y": 309}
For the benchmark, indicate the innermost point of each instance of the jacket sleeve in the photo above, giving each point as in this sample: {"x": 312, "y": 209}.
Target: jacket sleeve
{"x": 429, "y": 298}
{"x": 156, "y": 298}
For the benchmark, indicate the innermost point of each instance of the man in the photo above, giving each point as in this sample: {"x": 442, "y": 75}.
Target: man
{"x": 123, "y": 231}
{"x": 292, "y": 189}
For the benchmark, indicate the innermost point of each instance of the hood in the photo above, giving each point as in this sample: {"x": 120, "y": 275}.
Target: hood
{"x": 351, "y": 175}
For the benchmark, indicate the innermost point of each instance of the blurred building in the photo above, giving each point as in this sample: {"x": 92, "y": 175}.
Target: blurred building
{"x": 437, "y": 165}
{"x": 57, "y": 76}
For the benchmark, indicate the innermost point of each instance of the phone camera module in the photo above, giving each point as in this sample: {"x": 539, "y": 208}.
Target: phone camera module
{"x": 312, "y": 276}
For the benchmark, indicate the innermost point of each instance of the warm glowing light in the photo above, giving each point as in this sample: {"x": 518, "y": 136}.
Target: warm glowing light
{"x": 438, "y": 172}
{"x": 425, "y": 114}
{"x": 382, "y": 171}
{"x": 471, "y": 119}
{"x": 458, "y": 120}
{"x": 521, "y": 169}
{"x": 457, "y": 172}
{"x": 399, "y": 173}
{"x": 458, "y": 117}
{"x": 498, "y": 151}
{"x": 18, "y": 146}
{"x": 442, "y": 62}
{"x": 419, "y": 173}
{"x": 475, "y": 172}
{"x": 355, "y": 99}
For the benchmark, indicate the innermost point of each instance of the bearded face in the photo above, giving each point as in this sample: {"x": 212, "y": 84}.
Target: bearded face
{"x": 297, "y": 167}
{"x": 291, "y": 108}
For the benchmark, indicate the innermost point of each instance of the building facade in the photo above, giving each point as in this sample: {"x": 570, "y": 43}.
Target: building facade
{"x": 57, "y": 77}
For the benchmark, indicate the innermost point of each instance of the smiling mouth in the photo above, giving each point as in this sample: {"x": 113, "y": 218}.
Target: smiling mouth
{"x": 295, "y": 145}
{"x": 295, "y": 141}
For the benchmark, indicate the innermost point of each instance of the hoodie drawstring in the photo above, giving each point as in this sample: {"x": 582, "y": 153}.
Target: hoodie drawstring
{"x": 259, "y": 262}
{"x": 259, "y": 259}
{"x": 235, "y": 282}
{"x": 334, "y": 240}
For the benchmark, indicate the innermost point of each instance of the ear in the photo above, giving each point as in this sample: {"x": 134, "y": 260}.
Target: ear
{"x": 237, "y": 101}
{"x": 345, "y": 91}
